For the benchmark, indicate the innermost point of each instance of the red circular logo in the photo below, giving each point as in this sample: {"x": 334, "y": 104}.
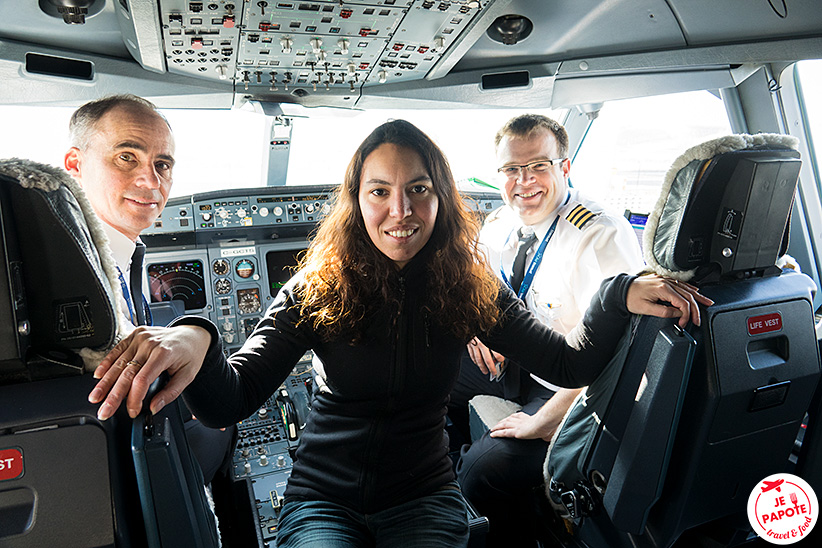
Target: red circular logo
{"x": 783, "y": 509}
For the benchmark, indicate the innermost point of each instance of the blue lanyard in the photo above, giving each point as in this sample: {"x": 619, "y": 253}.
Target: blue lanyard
{"x": 126, "y": 296}
{"x": 528, "y": 279}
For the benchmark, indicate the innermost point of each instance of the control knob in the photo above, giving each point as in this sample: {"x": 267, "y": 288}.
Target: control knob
{"x": 278, "y": 211}
{"x": 264, "y": 460}
{"x": 309, "y": 208}
{"x": 223, "y": 213}
{"x": 241, "y": 212}
{"x": 280, "y": 461}
{"x": 206, "y": 217}
{"x": 316, "y": 45}
{"x": 247, "y": 467}
{"x": 263, "y": 212}
{"x": 262, "y": 413}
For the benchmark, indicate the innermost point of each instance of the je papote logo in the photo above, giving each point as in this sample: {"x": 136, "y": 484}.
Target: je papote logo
{"x": 782, "y": 509}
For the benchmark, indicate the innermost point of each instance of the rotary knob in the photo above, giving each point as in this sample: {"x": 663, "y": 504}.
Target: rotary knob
{"x": 263, "y": 212}
{"x": 278, "y": 211}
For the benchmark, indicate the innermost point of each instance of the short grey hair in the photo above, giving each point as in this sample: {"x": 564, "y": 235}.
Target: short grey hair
{"x": 84, "y": 120}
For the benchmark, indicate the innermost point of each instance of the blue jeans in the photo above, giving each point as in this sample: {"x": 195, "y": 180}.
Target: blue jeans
{"x": 437, "y": 520}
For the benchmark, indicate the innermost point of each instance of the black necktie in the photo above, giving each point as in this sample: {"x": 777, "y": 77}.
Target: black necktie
{"x": 136, "y": 281}
{"x": 518, "y": 272}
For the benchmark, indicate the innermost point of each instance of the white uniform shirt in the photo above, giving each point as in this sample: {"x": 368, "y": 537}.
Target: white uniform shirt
{"x": 122, "y": 248}
{"x": 576, "y": 260}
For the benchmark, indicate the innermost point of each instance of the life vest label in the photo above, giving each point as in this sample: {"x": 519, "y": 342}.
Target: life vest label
{"x": 11, "y": 464}
{"x": 765, "y": 323}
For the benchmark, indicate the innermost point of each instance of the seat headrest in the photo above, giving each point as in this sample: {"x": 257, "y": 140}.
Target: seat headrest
{"x": 58, "y": 266}
{"x": 724, "y": 208}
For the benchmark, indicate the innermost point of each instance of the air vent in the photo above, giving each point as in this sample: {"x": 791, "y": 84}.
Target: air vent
{"x": 62, "y": 67}
{"x": 504, "y": 80}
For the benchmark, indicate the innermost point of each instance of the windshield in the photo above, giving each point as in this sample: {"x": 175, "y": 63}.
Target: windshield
{"x": 224, "y": 149}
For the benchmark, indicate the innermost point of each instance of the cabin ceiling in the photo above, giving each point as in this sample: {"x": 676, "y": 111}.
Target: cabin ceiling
{"x": 419, "y": 53}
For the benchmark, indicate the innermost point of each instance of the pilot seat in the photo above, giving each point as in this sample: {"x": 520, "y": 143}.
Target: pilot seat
{"x": 666, "y": 446}
{"x": 68, "y": 479}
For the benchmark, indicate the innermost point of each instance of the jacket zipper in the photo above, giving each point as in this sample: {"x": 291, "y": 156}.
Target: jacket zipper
{"x": 395, "y": 384}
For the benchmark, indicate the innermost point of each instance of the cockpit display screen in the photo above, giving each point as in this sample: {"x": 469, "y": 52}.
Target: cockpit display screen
{"x": 281, "y": 266}
{"x": 180, "y": 280}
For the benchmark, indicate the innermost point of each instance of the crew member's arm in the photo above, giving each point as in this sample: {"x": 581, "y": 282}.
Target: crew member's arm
{"x": 540, "y": 425}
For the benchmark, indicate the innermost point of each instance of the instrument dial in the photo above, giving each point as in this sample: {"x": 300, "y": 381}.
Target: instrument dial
{"x": 222, "y": 286}
{"x": 248, "y": 300}
{"x": 220, "y": 267}
{"x": 244, "y": 268}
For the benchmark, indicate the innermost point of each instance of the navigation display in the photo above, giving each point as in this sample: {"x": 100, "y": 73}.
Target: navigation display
{"x": 281, "y": 266}
{"x": 178, "y": 280}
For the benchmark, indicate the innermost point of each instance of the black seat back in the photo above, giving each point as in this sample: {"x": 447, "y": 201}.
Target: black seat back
{"x": 54, "y": 299}
{"x": 68, "y": 479}
{"x": 678, "y": 445}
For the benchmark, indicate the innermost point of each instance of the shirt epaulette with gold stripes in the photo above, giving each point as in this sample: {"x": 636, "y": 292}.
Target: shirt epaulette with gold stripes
{"x": 580, "y": 216}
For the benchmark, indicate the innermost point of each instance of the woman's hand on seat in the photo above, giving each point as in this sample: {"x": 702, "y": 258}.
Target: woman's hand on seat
{"x": 654, "y": 295}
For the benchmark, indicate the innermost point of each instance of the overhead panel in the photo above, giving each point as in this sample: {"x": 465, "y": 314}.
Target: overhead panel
{"x": 201, "y": 38}
{"x": 264, "y": 46}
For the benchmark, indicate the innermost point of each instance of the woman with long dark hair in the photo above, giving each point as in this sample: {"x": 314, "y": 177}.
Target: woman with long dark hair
{"x": 387, "y": 295}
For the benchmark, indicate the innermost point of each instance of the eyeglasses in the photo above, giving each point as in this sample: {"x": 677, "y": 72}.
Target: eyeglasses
{"x": 537, "y": 166}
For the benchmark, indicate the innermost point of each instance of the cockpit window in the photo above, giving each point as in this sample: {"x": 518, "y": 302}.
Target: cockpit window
{"x": 223, "y": 149}
{"x": 810, "y": 76}
{"x": 631, "y": 144}
{"x": 323, "y": 146}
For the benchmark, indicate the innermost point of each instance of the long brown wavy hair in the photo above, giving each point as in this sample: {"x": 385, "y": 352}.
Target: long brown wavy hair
{"x": 346, "y": 276}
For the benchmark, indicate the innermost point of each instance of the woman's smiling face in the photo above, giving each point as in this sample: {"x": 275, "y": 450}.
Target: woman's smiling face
{"x": 398, "y": 202}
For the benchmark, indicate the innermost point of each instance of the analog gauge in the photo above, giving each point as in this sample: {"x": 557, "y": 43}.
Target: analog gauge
{"x": 248, "y": 300}
{"x": 220, "y": 267}
{"x": 244, "y": 268}
{"x": 222, "y": 286}
{"x": 178, "y": 280}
